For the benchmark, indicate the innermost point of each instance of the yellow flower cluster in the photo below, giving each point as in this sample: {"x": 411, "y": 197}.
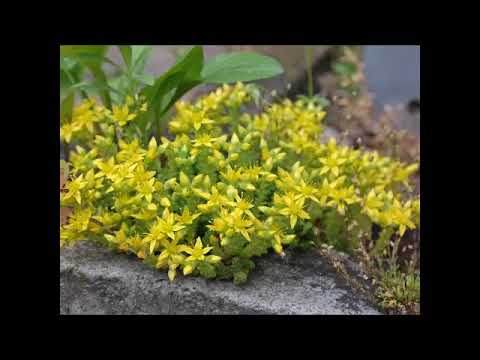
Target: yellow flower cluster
{"x": 228, "y": 187}
{"x": 89, "y": 114}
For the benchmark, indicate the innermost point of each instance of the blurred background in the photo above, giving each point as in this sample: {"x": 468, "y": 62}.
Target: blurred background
{"x": 391, "y": 73}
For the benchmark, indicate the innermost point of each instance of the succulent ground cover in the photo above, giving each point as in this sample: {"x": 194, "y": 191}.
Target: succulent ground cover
{"x": 228, "y": 187}
{"x": 225, "y": 186}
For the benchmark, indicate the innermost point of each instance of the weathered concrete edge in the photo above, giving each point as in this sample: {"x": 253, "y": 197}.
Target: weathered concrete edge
{"x": 95, "y": 281}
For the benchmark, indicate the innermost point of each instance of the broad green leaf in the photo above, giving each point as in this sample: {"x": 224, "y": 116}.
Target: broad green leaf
{"x": 144, "y": 78}
{"x": 71, "y": 72}
{"x": 92, "y": 57}
{"x": 182, "y": 76}
{"x": 190, "y": 65}
{"x": 140, "y": 54}
{"x": 102, "y": 79}
{"x": 240, "y": 66}
{"x": 67, "y": 64}
{"x": 181, "y": 90}
{"x": 119, "y": 85}
{"x": 126, "y": 51}
{"x": 168, "y": 84}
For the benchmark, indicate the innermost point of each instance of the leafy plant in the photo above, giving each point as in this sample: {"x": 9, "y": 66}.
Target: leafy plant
{"x": 190, "y": 70}
{"x": 398, "y": 290}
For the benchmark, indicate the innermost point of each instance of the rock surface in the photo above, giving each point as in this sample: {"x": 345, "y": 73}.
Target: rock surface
{"x": 94, "y": 280}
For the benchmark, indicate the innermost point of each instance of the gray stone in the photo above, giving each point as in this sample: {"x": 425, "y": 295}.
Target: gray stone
{"x": 94, "y": 280}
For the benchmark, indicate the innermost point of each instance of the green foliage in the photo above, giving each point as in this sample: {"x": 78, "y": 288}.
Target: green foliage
{"x": 160, "y": 93}
{"x": 228, "y": 186}
{"x": 241, "y": 66}
{"x": 398, "y": 290}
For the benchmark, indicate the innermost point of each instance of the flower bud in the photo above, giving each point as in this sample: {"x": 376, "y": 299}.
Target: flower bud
{"x": 245, "y": 146}
{"x": 184, "y": 181}
{"x": 165, "y": 202}
{"x": 213, "y": 259}
{"x": 188, "y": 269}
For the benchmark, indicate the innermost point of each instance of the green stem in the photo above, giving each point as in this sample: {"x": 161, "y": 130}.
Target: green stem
{"x": 308, "y": 58}
{"x": 70, "y": 77}
{"x": 161, "y": 125}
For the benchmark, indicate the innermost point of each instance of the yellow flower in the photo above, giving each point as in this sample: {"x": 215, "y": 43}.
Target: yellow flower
{"x": 332, "y": 163}
{"x": 307, "y": 191}
{"x": 237, "y": 224}
{"x": 121, "y": 115}
{"x": 342, "y": 197}
{"x": 279, "y": 237}
{"x": 131, "y": 152}
{"x": 214, "y": 199}
{"x": 372, "y": 203}
{"x": 72, "y": 189}
{"x": 204, "y": 140}
{"x": 198, "y": 252}
{"x": 147, "y": 214}
{"x": 152, "y": 152}
{"x": 120, "y": 238}
{"x": 294, "y": 209}
{"x": 67, "y": 131}
{"x": 166, "y": 225}
{"x": 146, "y": 189}
{"x": 107, "y": 168}
{"x": 79, "y": 220}
{"x": 242, "y": 205}
{"x": 199, "y": 119}
{"x": 186, "y": 218}
{"x": 171, "y": 252}
{"x": 129, "y": 100}
{"x": 140, "y": 175}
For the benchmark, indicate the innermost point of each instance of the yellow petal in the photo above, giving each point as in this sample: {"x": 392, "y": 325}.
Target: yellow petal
{"x": 152, "y": 246}
{"x": 171, "y": 274}
{"x": 187, "y": 269}
{"x": 198, "y": 243}
{"x": 246, "y": 235}
{"x": 293, "y": 221}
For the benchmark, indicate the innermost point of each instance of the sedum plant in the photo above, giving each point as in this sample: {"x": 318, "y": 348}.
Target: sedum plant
{"x": 227, "y": 186}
